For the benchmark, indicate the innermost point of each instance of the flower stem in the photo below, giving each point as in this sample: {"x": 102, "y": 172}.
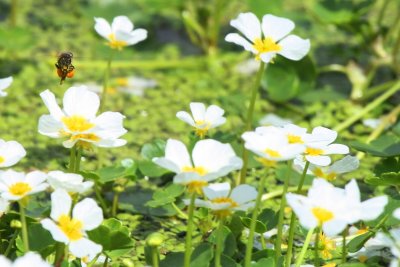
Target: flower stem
{"x": 100, "y": 198}
{"x": 105, "y": 82}
{"x": 24, "y": 226}
{"x": 11, "y": 243}
{"x": 250, "y": 240}
{"x": 371, "y": 106}
{"x": 292, "y": 225}
{"x": 250, "y": 111}
{"x": 72, "y": 159}
{"x": 155, "y": 257}
{"x": 299, "y": 260}
{"x": 189, "y": 231}
{"x": 218, "y": 249}
{"x": 278, "y": 242}
{"x": 179, "y": 211}
{"x": 344, "y": 247}
{"x": 60, "y": 249}
{"x": 78, "y": 158}
{"x": 316, "y": 247}
{"x": 114, "y": 205}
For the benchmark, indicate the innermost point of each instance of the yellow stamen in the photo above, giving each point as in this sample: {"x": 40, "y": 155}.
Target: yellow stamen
{"x": 314, "y": 151}
{"x": 202, "y": 128}
{"x": 328, "y": 176}
{"x": 72, "y": 228}
{"x": 272, "y": 153}
{"x": 196, "y": 186}
{"x": 322, "y": 214}
{"x": 20, "y": 189}
{"x": 362, "y": 258}
{"x": 122, "y": 81}
{"x": 88, "y": 136}
{"x": 332, "y": 264}
{"x": 266, "y": 162}
{"x": 2, "y": 159}
{"x": 294, "y": 139}
{"x": 116, "y": 44}
{"x": 328, "y": 246}
{"x": 266, "y": 45}
{"x": 77, "y": 123}
{"x": 362, "y": 231}
{"x": 225, "y": 212}
{"x": 199, "y": 170}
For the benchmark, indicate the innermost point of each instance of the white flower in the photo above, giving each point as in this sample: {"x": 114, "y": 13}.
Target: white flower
{"x": 347, "y": 164}
{"x": 274, "y": 120}
{"x": 100, "y": 260}
{"x": 222, "y": 201}
{"x": 71, "y": 230}
{"x": 202, "y": 119}
{"x": 392, "y": 241}
{"x": 135, "y": 85}
{"x": 396, "y": 213}
{"x": 120, "y": 33}
{"x": 211, "y": 160}
{"x": 334, "y": 208}
{"x": 272, "y": 143}
{"x": 78, "y": 122}
{"x": 4, "y": 205}
{"x": 10, "y": 153}
{"x": 29, "y": 259}
{"x": 319, "y": 145}
{"x": 268, "y": 38}
{"x": 70, "y": 182}
{"x": 4, "y": 83}
{"x": 16, "y": 185}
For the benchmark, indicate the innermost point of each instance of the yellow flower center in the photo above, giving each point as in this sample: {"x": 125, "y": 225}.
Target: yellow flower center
{"x": 222, "y": 200}
{"x": 116, "y": 44}
{"x": 266, "y": 45}
{"x": 362, "y": 231}
{"x": 332, "y": 264}
{"x": 122, "y": 81}
{"x": 88, "y": 136}
{"x": 362, "y": 258}
{"x": 72, "y": 228}
{"x": 196, "y": 186}
{"x": 199, "y": 170}
{"x": 294, "y": 139}
{"x": 77, "y": 123}
{"x": 2, "y": 159}
{"x": 272, "y": 153}
{"x": 314, "y": 151}
{"x": 202, "y": 128}
{"x": 266, "y": 162}
{"x": 328, "y": 246}
{"x": 20, "y": 189}
{"x": 322, "y": 214}
{"x": 328, "y": 176}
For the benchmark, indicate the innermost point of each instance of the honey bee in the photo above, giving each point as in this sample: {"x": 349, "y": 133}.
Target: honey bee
{"x": 64, "y": 66}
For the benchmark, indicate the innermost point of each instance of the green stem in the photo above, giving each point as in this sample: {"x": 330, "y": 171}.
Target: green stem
{"x": 13, "y": 13}
{"x": 179, "y": 211}
{"x": 105, "y": 83}
{"x": 114, "y": 205}
{"x": 250, "y": 111}
{"x": 24, "y": 226}
{"x": 72, "y": 159}
{"x": 105, "y": 264}
{"x": 92, "y": 262}
{"x": 154, "y": 256}
{"x": 299, "y": 260}
{"x": 344, "y": 247}
{"x": 374, "y": 104}
{"x": 250, "y": 240}
{"x": 78, "y": 158}
{"x": 60, "y": 249}
{"x": 278, "y": 242}
{"x": 292, "y": 225}
{"x": 278, "y": 193}
{"x": 11, "y": 243}
{"x": 316, "y": 248}
{"x": 218, "y": 249}
{"x": 189, "y": 231}
{"x": 100, "y": 198}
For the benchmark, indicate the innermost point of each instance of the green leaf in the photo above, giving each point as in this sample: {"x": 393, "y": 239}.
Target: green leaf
{"x": 286, "y": 78}
{"x": 386, "y": 179}
{"x": 150, "y": 169}
{"x": 110, "y": 173}
{"x": 260, "y": 227}
{"x": 265, "y": 262}
{"x": 228, "y": 261}
{"x": 39, "y": 239}
{"x": 384, "y": 146}
{"x": 265, "y": 253}
{"x": 358, "y": 242}
{"x": 153, "y": 149}
{"x": 202, "y": 255}
{"x": 173, "y": 259}
{"x": 229, "y": 241}
{"x": 166, "y": 196}
{"x": 269, "y": 218}
{"x": 114, "y": 237}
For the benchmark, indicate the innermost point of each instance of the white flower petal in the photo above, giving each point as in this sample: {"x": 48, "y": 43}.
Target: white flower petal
{"x": 185, "y": 116}
{"x": 337, "y": 149}
{"x": 60, "y": 204}
{"x": 248, "y": 24}
{"x": 319, "y": 160}
{"x": 35, "y": 178}
{"x": 11, "y": 152}
{"x": 82, "y": 102}
{"x": 88, "y": 212}
{"x": 239, "y": 40}
{"x": 83, "y": 247}
{"x": 372, "y": 208}
{"x": 198, "y": 111}
{"x": 267, "y": 57}
{"x": 213, "y": 113}
{"x": 30, "y": 259}
{"x": 176, "y": 152}
{"x": 334, "y": 227}
{"x": 276, "y": 27}
{"x": 243, "y": 193}
{"x": 102, "y": 27}
{"x": 49, "y": 100}
{"x": 294, "y": 47}
{"x": 347, "y": 164}
{"x": 121, "y": 23}
{"x": 137, "y": 36}
{"x": 55, "y": 231}
{"x": 109, "y": 125}
{"x": 49, "y": 126}
{"x": 217, "y": 190}
{"x": 4, "y": 262}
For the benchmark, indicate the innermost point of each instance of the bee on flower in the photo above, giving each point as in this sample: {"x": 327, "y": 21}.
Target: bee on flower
{"x": 120, "y": 33}
{"x": 10, "y": 153}
{"x": 4, "y": 84}
{"x": 77, "y": 121}
{"x": 268, "y": 38}
{"x": 211, "y": 160}
{"x": 223, "y": 202}
{"x": 202, "y": 119}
